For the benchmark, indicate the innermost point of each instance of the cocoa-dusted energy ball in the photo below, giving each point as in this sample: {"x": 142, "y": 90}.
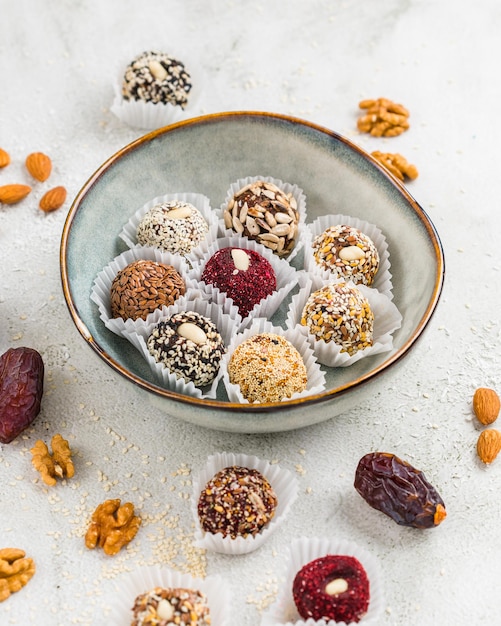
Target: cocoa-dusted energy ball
{"x": 144, "y": 286}
{"x": 171, "y": 606}
{"x": 347, "y": 253}
{"x": 244, "y": 275}
{"x": 267, "y": 368}
{"x": 236, "y": 502}
{"x": 158, "y": 78}
{"x": 340, "y": 313}
{"x": 189, "y": 345}
{"x": 333, "y": 587}
{"x": 176, "y": 227}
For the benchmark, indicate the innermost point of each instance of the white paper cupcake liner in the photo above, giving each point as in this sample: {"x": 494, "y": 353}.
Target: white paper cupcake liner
{"x": 296, "y": 191}
{"x": 382, "y": 281}
{"x": 146, "y": 578}
{"x": 284, "y": 484}
{"x": 129, "y": 232}
{"x": 285, "y": 276}
{"x": 147, "y": 115}
{"x": 101, "y": 287}
{"x": 283, "y": 611}
{"x": 387, "y": 319}
{"x": 227, "y": 325}
{"x": 316, "y": 376}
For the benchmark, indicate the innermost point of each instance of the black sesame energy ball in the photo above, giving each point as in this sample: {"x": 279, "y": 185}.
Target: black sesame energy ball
{"x": 189, "y": 345}
{"x": 158, "y": 78}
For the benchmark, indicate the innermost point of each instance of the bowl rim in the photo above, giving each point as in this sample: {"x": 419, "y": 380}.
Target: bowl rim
{"x": 208, "y": 403}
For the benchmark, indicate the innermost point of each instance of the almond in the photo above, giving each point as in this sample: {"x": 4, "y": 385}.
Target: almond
{"x": 486, "y": 405}
{"x": 39, "y": 165}
{"x": 53, "y": 199}
{"x": 10, "y": 194}
{"x": 489, "y": 445}
{"x": 4, "y": 158}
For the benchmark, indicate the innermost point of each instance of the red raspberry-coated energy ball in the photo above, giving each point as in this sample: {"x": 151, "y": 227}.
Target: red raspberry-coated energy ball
{"x": 333, "y": 587}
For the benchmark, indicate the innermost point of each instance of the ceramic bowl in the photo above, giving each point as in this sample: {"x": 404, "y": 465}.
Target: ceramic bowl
{"x": 204, "y": 155}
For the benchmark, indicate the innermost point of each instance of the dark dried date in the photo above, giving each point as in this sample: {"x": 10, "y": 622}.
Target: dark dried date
{"x": 21, "y": 389}
{"x": 397, "y": 489}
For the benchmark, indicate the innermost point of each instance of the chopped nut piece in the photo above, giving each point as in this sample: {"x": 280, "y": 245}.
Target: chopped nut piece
{"x": 396, "y": 164}
{"x": 15, "y": 571}
{"x": 57, "y": 464}
{"x": 383, "y": 118}
{"x": 112, "y": 526}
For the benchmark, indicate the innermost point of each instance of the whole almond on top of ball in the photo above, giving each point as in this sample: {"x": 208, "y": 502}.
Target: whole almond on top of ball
{"x": 39, "y": 165}
{"x": 486, "y": 405}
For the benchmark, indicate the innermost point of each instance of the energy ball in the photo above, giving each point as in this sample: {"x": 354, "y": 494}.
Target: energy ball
{"x": 263, "y": 212}
{"x": 244, "y": 275}
{"x": 333, "y": 587}
{"x": 188, "y": 345}
{"x": 340, "y": 313}
{"x": 171, "y": 606}
{"x": 144, "y": 286}
{"x": 347, "y": 253}
{"x": 268, "y": 368}
{"x": 158, "y": 78}
{"x": 236, "y": 502}
{"x": 175, "y": 227}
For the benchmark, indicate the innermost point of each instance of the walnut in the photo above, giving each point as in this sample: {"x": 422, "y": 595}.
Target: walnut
{"x": 396, "y": 164}
{"x": 15, "y": 571}
{"x": 383, "y": 118}
{"x": 57, "y": 464}
{"x": 112, "y": 526}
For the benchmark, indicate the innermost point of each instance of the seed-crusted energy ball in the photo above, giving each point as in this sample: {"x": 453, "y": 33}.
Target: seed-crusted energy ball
{"x": 236, "y": 502}
{"x": 347, "y": 253}
{"x": 157, "y": 77}
{"x": 268, "y": 368}
{"x": 333, "y": 587}
{"x": 263, "y": 212}
{"x": 161, "y": 607}
{"x": 143, "y": 286}
{"x": 340, "y": 313}
{"x": 189, "y": 345}
{"x": 174, "y": 226}
{"x": 244, "y": 275}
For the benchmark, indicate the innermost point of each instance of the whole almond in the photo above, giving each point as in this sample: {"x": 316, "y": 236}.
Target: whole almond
{"x": 486, "y": 405}
{"x": 4, "y": 158}
{"x": 11, "y": 194}
{"x": 39, "y": 165}
{"x": 488, "y": 445}
{"x": 53, "y": 199}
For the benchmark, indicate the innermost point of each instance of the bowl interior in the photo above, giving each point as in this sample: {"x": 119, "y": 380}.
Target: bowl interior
{"x": 205, "y": 155}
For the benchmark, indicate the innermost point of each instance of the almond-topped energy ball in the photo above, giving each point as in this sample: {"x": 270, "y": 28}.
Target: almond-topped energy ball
{"x": 189, "y": 345}
{"x": 161, "y": 607}
{"x": 263, "y": 212}
{"x": 340, "y": 313}
{"x": 333, "y": 587}
{"x": 347, "y": 253}
{"x": 174, "y": 226}
{"x": 157, "y": 77}
{"x": 244, "y": 275}
{"x": 267, "y": 368}
{"x": 144, "y": 286}
{"x": 236, "y": 502}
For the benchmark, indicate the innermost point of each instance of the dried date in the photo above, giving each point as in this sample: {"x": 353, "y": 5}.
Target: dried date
{"x": 397, "y": 489}
{"x": 21, "y": 390}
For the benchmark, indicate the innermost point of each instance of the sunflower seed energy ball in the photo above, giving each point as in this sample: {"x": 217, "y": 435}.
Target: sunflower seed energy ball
{"x": 158, "y": 78}
{"x": 236, "y": 502}
{"x": 175, "y": 227}
{"x": 268, "y": 368}
{"x": 347, "y": 253}
{"x": 189, "y": 345}
{"x": 340, "y": 313}
{"x": 263, "y": 212}
{"x": 162, "y": 607}
{"x": 144, "y": 286}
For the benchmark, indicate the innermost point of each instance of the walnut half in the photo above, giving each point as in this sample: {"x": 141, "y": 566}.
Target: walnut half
{"x": 112, "y": 526}
{"x": 396, "y": 164}
{"x": 383, "y": 118}
{"x": 55, "y": 465}
{"x": 15, "y": 571}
